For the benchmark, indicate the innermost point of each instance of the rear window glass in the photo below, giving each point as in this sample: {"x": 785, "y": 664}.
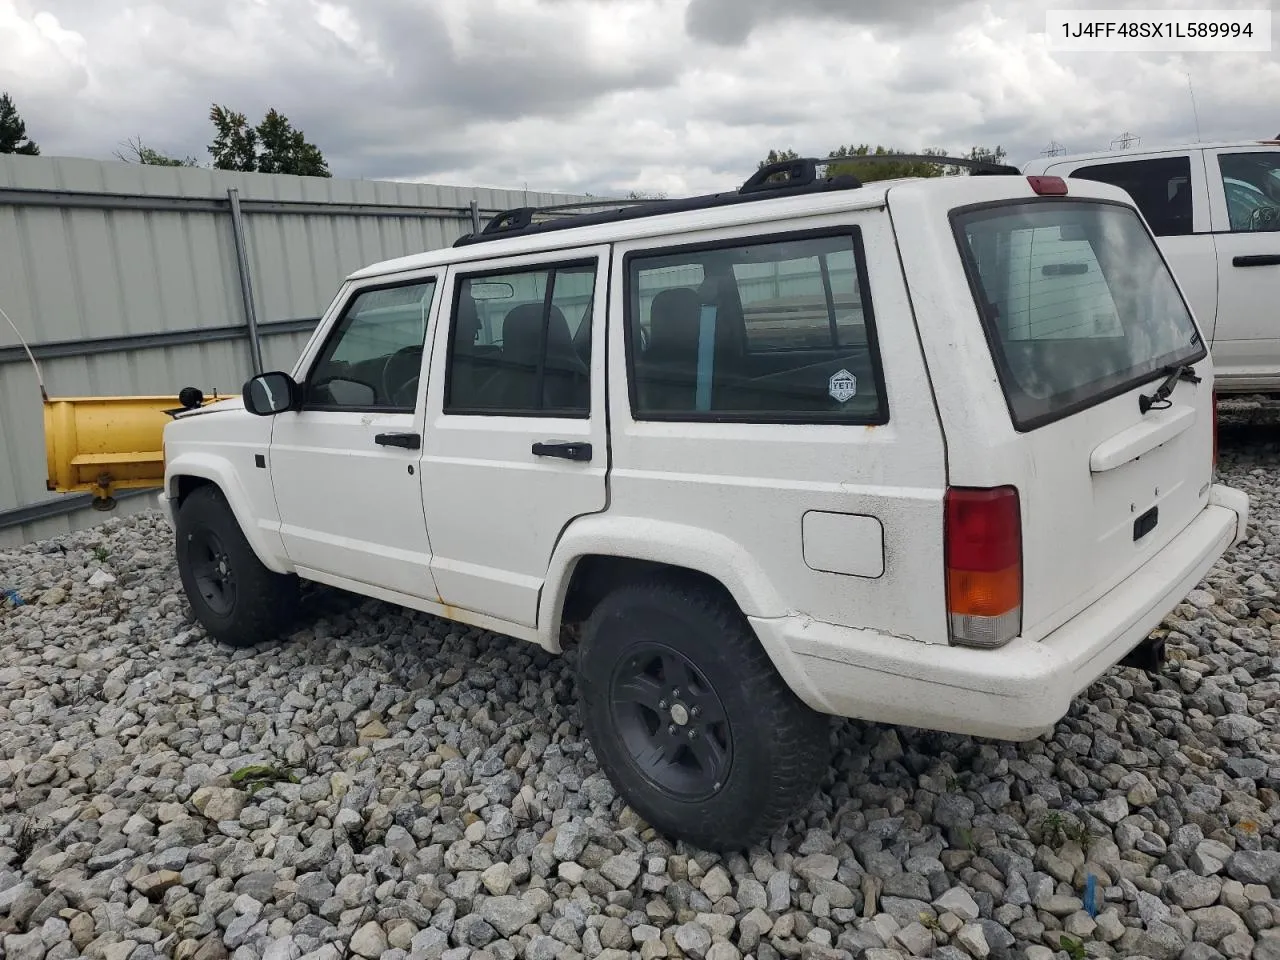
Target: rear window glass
{"x": 1077, "y": 302}
{"x": 766, "y": 330}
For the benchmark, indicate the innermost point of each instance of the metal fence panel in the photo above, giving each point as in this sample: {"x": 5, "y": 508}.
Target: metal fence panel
{"x": 125, "y": 279}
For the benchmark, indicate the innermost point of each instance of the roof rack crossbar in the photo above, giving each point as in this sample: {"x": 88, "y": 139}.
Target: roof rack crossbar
{"x": 800, "y": 172}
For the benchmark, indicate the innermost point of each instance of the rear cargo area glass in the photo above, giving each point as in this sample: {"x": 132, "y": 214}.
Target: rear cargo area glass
{"x": 1078, "y": 304}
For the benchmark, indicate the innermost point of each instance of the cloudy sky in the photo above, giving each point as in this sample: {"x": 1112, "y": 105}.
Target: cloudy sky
{"x": 606, "y": 95}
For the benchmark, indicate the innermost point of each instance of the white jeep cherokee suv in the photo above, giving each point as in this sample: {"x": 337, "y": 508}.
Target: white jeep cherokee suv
{"x": 935, "y": 452}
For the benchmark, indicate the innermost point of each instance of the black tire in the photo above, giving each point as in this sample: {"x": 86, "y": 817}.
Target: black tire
{"x": 754, "y": 771}
{"x": 253, "y": 603}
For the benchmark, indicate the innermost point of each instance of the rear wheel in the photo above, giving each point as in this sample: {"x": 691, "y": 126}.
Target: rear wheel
{"x": 233, "y": 596}
{"x": 690, "y": 720}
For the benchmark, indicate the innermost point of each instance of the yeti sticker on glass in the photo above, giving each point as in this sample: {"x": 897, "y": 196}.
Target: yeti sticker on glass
{"x": 843, "y": 386}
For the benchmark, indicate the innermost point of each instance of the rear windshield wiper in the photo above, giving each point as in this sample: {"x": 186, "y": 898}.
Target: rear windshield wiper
{"x": 1160, "y": 399}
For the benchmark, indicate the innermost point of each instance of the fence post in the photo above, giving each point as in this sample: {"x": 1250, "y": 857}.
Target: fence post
{"x": 246, "y": 280}
{"x": 475, "y": 216}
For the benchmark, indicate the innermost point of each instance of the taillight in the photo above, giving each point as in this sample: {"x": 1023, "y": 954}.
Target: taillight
{"x": 983, "y": 531}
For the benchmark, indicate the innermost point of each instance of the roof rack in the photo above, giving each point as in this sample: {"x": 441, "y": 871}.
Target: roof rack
{"x": 779, "y": 179}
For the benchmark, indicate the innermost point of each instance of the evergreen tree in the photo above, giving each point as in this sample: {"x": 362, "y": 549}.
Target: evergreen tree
{"x": 286, "y": 150}
{"x": 13, "y": 132}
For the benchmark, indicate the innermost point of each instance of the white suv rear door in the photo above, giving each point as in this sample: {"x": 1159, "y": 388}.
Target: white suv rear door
{"x": 516, "y": 441}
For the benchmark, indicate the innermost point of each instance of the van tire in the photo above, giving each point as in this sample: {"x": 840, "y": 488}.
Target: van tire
{"x": 755, "y": 771}
{"x": 234, "y": 597}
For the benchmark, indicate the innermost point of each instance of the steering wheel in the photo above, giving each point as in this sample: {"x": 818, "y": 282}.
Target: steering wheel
{"x": 401, "y": 369}
{"x": 407, "y": 395}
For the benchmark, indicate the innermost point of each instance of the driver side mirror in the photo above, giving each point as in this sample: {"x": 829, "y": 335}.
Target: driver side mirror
{"x": 270, "y": 393}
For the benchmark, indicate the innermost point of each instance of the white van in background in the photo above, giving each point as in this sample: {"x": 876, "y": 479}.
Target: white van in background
{"x": 1215, "y": 211}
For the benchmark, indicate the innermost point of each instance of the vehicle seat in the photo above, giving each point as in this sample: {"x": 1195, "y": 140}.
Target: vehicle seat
{"x": 565, "y": 380}
{"x": 464, "y": 373}
{"x": 669, "y": 368}
{"x": 1180, "y": 219}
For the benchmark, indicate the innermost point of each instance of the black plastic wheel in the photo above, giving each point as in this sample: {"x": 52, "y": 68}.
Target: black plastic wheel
{"x": 671, "y": 721}
{"x": 212, "y": 571}
{"x": 233, "y": 596}
{"x": 689, "y": 719}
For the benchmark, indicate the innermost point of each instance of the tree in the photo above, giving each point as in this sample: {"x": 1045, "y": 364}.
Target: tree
{"x": 13, "y": 132}
{"x": 777, "y": 156}
{"x": 981, "y": 153}
{"x": 890, "y": 169}
{"x": 647, "y": 195}
{"x": 887, "y": 170}
{"x": 135, "y": 151}
{"x": 235, "y": 143}
{"x": 273, "y": 146}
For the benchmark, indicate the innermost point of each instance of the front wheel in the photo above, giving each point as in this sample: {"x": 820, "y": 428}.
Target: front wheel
{"x": 690, "y": 720}
{"x": 233, "y": 596}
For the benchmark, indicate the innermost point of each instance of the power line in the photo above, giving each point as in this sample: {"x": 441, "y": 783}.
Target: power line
{"x": 1054, "y": 149}
{"x": 1125, "y": 140}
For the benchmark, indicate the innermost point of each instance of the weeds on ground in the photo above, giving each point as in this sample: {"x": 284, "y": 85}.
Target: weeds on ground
{"x": 259, "y": 775}
{"x": 1073, "y": 948}
{"x": 1057, "y": 829}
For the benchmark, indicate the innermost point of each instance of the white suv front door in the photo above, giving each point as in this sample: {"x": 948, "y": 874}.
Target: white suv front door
{"x": 1244, "y": 189}
{"x": 516, "y": 442}
{"x": 344, "y": 467}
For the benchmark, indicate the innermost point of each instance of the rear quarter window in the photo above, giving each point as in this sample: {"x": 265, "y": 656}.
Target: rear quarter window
{"x": 770, "y": 329}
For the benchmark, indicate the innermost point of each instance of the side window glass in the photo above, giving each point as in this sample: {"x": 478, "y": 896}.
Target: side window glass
{"x": 1160, "y": 187}
{"x": 768, "y": 330}
{"x": 804, "y": 303}
{"x": 521, "y": 343}
{"x": 1252, "y": 185}
{"x": 373, "y": 359}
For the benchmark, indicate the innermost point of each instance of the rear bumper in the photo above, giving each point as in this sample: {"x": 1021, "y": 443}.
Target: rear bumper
{"x": 1015, "y": 692}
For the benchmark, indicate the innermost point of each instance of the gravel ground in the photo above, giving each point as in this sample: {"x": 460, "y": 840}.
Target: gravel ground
{"x": 388, "y": 785}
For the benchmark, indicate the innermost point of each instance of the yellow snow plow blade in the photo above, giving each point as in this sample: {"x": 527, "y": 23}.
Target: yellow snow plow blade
{"x": 100, "y": 444}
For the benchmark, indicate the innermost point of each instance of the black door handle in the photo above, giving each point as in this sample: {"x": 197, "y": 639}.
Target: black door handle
{"x": 1257, "y": 260}
{"x": 567, "y": 451}
{"x": 410, "y": 441}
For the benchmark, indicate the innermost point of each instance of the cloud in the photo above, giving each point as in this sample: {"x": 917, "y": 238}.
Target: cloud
{"x": 51, "y": 59}
{"x": 601, "y": 96}
{"x": 731, "y": 22}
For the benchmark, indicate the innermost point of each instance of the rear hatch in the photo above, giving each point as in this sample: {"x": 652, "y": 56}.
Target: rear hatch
{"x": 1083, "y": 319}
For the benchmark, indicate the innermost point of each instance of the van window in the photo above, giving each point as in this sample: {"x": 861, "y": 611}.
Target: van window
{"x": 1077, "y": 303}
{"x": 1252, "y": 185}
{"x": 769, "y": 330}
{"x": 1161, "y": 187}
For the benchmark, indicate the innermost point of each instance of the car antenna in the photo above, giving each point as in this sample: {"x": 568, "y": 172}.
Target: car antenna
{"x": 44, "y": 394}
